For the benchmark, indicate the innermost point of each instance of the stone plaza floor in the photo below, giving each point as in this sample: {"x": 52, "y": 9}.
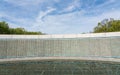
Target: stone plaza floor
{"x": 60, "y": 67}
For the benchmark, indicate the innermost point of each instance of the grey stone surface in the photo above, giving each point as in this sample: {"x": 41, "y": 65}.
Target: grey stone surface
{"x": 60, "y": 67}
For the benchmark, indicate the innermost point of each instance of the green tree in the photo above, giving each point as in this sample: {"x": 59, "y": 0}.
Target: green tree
{"x": 19, "y": 31}
{"x": 108, "y": 26}
{"x": 4, "y": 28}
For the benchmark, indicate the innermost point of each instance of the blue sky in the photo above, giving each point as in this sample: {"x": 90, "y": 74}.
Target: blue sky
{"x": 58, "y": 16}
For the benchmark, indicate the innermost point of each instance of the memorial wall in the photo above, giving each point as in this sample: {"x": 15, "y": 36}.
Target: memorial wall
{"x": 83, "y": 45}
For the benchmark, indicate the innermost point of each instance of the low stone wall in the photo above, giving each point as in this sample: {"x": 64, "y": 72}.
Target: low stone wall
{"x": 60, "y": 47}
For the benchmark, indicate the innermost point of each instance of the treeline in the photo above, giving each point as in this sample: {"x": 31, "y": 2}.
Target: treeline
{"x": 107, "y": 25}
{"x": 5, "y": 29}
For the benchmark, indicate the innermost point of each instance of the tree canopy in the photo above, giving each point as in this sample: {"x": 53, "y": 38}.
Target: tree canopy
{"x": 107, "y": 26}
{"x": 5, "y": 29}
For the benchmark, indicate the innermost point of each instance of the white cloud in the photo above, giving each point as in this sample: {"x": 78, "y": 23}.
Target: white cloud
{"x": 107, "y": 3}
{"x": 16, "y": 22}
{"x": 66, "y": 23}
{"x": 72, "y": 6}
{"x": 43, "y": 14}
{"x": 1, "y": 15}
{"x": 75, "y": 22}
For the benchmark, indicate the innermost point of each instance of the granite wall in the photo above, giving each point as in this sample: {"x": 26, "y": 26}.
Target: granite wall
{"x": 60, "y": 47}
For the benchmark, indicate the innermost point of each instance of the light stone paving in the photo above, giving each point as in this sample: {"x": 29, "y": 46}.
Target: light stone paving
{"x": 108, "y": 34}
{"x": 61, "y": 58}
